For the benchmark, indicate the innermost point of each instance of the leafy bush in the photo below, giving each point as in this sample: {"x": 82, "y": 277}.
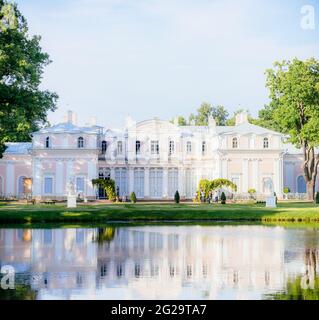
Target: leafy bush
{"x": 107, "y": 185}
{"x": 212, "y": 185}
{"x": 176, "y": 197}
{"x": 252, "y": 191}
{"x": 223, "y": 198}
{"x": 317, "y": 197}
{"x": 286, "y": 190}
{"x": 133, "y": 197}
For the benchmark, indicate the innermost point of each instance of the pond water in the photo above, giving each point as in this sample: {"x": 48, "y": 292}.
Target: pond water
{"x": 162, "y": 262}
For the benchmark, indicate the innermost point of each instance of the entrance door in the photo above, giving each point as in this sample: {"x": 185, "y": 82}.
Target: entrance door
{"x": 156, "y": 183}
{"x": 139, "y": 182}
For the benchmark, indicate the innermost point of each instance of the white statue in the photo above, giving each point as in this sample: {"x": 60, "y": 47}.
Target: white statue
{"x": 70, "y": 188}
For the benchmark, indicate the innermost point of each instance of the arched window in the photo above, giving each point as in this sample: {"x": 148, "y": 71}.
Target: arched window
{"x": 189, "y": 147}
{"x": 47, "y": 142}
{"x": 266, "y": 143}
{"x": 104, "y": 146}
{"x": 235, "y": 143}
{"x": 301, "y": 185}
{"x": 119, "y": 147}
{"x": 138, "y": 147}
{"x": 80, "y": 142}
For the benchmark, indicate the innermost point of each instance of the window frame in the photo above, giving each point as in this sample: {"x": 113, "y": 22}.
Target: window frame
{"x": 266, "y": 143}
{"x": 189, "y": 147}
{"x": 119, "y": 147}
{"x": 80, "y": 142}
{"x": 44, "y": 185}
{"x": 138, "y": 147}
{"x": 235, "y": 143}
{"x": 155, "y": 147}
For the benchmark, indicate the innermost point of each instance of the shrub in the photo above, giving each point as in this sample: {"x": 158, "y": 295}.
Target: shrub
{"x": 176, "y": 197}
{"x": 286, "y": 190}
{"x": 133, "y": 197}
{"x": 223, "y": 198}
{"x": 317, "y": 197}
{"x": 252, "y": 191}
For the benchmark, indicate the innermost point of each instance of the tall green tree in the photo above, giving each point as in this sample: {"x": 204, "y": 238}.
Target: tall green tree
{"x": 294, "y": 108}
{"x": 23, "y": 106}
{"x": 205, "y": 111}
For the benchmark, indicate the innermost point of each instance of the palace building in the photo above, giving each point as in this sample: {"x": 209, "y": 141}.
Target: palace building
{"x": 153, "y": 158}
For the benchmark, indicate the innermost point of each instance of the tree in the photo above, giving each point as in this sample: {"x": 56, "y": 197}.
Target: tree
{"x": 181, "y": 121}
{"x": 133, "y": 197}
{"x": 176, "y": 197}
{"x": 223, "y": 198}
{"x": 220, "y": 114}
{"x": 108, "y": 185}
{"x": 23, "y": 106}
{"x": 205, "y": 111}
{"x": 294, "y": 108}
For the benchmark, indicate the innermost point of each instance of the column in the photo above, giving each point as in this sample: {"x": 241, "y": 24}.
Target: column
{"x": 10, "y": 178}
{"x": 256, "y": 174}
{"x": 181, "y": 182}
{"x": 245, "y": 176}
{"x": 146, "y": 182}
{"x": 224, "y": 172}
{"x": 37, "y": 178}
{"x": 165, "y": 183}
{"x": 92, "y": 174}
{"x": 278, "y": 183}
{"x": 59, "y": 190}
{"x": 131, "y": 180}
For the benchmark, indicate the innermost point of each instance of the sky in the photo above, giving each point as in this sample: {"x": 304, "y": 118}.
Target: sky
{"x": 163, "y": 58}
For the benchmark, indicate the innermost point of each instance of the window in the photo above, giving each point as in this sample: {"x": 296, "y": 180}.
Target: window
{"x": 171, "y": 147}
{"x": 154, "y": 147}
{"x": 203, "y": 147}
{"x": 119, "y": 147}
{"x": 266, "y": 143}
{"x": 104, "y": 146}
{"x": 138, "y": 147}
{"x": 48, "y": 185}
{"x": 235, "y": 143}
{"x": 80, "y": 143}
{"x": 189, "y": 147}
{"x": 47, "y": 142}
{"x": 80, "y": 184}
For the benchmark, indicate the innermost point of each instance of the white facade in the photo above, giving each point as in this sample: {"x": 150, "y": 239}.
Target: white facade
{"x": 153, "y": 158}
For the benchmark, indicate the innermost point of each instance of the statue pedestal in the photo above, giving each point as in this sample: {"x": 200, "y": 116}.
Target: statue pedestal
{"x": 71, "y": 201}
{"x": 271, "y": 202}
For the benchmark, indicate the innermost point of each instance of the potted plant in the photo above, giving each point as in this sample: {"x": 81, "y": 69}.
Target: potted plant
{"x": 286, "y": 191}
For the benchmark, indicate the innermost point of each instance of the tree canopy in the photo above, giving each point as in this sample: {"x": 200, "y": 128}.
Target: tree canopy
{"x": 23, "y": 106}
{"x": 294, "y": 109}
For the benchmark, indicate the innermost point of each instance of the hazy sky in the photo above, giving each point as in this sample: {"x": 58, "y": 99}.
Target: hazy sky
{"x": 163, "y": 58}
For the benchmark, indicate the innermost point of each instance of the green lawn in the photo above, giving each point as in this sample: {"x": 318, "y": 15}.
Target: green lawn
{"x": 286, "y": 212}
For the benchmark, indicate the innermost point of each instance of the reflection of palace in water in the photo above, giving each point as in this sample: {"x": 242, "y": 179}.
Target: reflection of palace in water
{"x": 153, "y": 262}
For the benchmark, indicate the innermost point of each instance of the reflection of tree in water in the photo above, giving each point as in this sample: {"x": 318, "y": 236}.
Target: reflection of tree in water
{"x": 306, "y": 286}
{"x": 105, "y": 235}
{"x": 21, "y": 292}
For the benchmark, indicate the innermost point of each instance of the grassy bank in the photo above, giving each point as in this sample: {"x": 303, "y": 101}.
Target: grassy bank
{"x": 285, "y": 212}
